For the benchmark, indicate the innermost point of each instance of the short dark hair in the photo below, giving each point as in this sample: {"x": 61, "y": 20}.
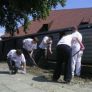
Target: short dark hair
{"x": 18, "y": 51}
{"x": 50, "y": 36}
{"x": 75, "y": 28}
{"x": 61, "y": 34}
{"x": 35, "y": 39}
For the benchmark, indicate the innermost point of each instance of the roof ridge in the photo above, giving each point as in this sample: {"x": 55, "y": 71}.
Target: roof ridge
{"x": 73, "y": 9}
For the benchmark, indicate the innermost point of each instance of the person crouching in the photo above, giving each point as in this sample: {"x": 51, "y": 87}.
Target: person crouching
{"x": 16, "y": 60}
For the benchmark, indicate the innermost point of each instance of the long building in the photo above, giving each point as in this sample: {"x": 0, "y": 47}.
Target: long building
{"x": 57, "y": 22}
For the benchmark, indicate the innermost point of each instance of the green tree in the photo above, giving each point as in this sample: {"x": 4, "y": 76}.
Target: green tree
{"x": 14, "y": 11}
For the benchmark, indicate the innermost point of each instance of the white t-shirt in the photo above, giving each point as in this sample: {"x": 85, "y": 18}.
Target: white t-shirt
{"x": 44, "y": 44}
{"x": 67, "y": 39}
{"x": 28, "y": 45}
{"x": 75, "y": 44}
{"x": 17, "y": 59}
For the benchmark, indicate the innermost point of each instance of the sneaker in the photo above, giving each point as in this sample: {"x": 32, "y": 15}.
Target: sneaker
{"x": 67, "y": 81}
{"x": 72, "y": 76}
{"x": 23, "y": 72}
{"x": 77, "y": 75}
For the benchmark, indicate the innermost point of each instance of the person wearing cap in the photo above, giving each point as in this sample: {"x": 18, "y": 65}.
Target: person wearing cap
{"x": 16, "y": 60}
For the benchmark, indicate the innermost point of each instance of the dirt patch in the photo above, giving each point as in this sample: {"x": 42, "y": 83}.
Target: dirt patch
{"x": 47, "y": 74}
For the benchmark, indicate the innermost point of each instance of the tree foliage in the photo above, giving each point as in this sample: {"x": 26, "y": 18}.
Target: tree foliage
{"x": 14, "y": 11}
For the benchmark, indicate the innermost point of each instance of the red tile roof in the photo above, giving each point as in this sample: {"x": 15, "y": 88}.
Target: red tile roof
{"x": 59, "y": 19}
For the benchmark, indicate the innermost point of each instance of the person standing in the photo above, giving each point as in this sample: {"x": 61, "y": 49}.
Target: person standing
{"x": 29, "y": 45}
{"x": 16, "y": 60}
{"x": 64, "y": 54}
{"x": 46, "y": 44}
{"x": 77, "y": 53}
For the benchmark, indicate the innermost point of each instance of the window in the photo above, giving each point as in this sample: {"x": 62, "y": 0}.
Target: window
{"x": 44, "y": 28}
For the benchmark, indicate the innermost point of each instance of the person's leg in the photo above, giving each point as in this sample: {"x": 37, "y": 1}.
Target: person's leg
{"x": 78, "y": 63}
{"x": 9, "y": 62}
{"x": 39, "y": 54}
{"x": 73, "y": 64}
{"x": 14, "y": 68}
{"x": 32, "y": 60}
{"x": 68, "y": 68}
{"x": 27, "y": 57}
{"x": 58, "y": 69}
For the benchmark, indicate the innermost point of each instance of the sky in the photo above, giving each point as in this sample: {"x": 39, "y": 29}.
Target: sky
{"x": 70, "y": 4}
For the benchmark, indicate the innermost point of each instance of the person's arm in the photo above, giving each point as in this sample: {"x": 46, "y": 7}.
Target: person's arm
{"x": 50, "y": 47}
{"x": 81, "y": 44}
{"x": 33, "y": 47}
{"x": 23, "y": 43}
{"x": 31, "y": 53}
{"x": 46, "y": 53}
{"x": 23, "y": 66}
{"x": 23, "y": 63}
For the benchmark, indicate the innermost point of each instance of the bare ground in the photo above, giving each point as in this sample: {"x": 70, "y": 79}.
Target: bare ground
{"x": 39, "y": 78}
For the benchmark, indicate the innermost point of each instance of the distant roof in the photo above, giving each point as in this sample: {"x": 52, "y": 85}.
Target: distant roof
{"x": 59, "y": 19}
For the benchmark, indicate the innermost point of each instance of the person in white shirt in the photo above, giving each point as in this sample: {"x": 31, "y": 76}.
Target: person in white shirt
{"x": 45, "y": 44}
{"x": 64, "y": 54}
{"x": 29, "y": 45}
{"x": 16, "y": 60}
{"x": 76, "y": 53}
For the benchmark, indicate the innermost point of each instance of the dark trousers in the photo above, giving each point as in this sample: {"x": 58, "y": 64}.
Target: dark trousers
{"x": 40, "y": 53}
{"x": 63, "y": 56}
{"x": 28, "y": 58}
{"x": 12, "y": 66}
